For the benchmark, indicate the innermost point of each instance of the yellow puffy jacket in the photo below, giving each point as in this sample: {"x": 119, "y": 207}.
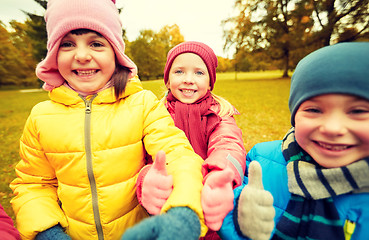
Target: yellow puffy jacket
{"x": 80, "y": 159}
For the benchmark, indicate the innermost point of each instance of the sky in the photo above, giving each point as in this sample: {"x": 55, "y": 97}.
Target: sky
{"x": 198, "y": 20}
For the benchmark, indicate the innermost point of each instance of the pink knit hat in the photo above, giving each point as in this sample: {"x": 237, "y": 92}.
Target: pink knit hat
{"x": 63, "y": 16}
{"x": 204, "y": 51}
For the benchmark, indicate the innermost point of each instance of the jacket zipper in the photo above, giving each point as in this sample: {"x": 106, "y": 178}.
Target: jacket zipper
{"x": 90, "y": 171}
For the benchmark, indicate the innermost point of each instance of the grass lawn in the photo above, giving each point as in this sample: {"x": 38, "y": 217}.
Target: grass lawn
{"x": 14, "y": 109}
{"x": 261, "y": 98}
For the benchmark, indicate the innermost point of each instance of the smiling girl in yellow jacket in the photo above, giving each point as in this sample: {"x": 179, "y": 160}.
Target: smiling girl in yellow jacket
{"x": 81, "y": 151}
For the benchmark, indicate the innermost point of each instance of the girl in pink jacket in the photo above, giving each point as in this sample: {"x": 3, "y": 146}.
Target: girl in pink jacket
{"x": 208, "y": 123}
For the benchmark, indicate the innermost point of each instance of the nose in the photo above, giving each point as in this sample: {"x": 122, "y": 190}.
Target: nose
{"x": 82, "y": 55}
{"x": 188, "y": 79}
{"x": 334, "y": 125}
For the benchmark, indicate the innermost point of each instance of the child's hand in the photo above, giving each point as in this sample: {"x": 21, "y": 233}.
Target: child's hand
{"x": 217, "y": 198}
{"x": 157, "y": 185}
{"x": 255, "y": 207}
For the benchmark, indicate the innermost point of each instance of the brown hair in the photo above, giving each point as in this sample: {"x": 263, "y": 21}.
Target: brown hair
{"x": 119, "y": 79}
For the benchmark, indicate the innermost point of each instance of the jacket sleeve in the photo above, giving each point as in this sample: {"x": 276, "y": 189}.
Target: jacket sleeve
{"x": 273, "y": 165}
{"x": 226, "y": 146}
{"x": 182, "y": 162}
{"x": 7, "y": 229}
{"x": 35, "y": 203}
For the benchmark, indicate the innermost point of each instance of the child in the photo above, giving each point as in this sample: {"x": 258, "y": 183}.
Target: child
{"x": 318, "y": 174}
{"x": 207, "y": 120}
{"x": 7, "y": 229}
{"x": 81, "y": 151}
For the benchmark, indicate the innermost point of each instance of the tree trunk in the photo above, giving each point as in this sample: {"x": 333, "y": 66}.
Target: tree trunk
{"x": 286, "y": 63}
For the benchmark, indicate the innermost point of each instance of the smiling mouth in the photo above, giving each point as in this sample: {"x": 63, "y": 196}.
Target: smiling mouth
{"x": 85, "y": 72}
{"x": 188, "y": 91}
{"x": 333, "y": 147}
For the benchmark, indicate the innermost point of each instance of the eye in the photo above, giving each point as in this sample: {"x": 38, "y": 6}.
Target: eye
{"x": 200, "y": 73}
{"x": 97, "y": 44}
{"x": 312, "y": 110}
{"x": 66, "y": 44}
{"x": 178, "y": 71}
{"x": 359, "y": 111}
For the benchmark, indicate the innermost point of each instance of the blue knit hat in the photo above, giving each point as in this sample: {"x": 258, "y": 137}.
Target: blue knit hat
{"x": 341, "y": 68}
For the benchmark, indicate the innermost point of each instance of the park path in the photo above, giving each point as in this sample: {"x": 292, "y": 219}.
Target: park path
{"x": 31, "y": 90}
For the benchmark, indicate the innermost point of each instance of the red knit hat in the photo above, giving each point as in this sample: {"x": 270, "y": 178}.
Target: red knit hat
{"x": 63, "y": 16}
{"x": 204, "y": 51}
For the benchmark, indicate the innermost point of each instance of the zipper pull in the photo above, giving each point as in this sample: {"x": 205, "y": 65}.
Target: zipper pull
{"x": 88, "y": 107}
{"x": 88, "y": 103}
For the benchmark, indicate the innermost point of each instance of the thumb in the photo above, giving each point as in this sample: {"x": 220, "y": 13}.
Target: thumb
{"x": 159, "y": 163}
{"x": 220, "y": 178}
{"x": 255, "y": 175}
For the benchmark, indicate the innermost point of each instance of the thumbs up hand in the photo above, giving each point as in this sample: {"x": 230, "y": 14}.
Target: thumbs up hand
{"x": 255, "y": 207}
{"x": 157, "y": 185}
{"x": 217, "y": 198}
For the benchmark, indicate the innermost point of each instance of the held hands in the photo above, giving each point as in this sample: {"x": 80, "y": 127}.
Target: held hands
{"x": 157, "y": 185}
{"x": 255, "y": 207}
{"x": 217, "y": 197}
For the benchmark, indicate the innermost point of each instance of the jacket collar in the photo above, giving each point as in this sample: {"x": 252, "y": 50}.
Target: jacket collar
{"x": 67, "y": 96}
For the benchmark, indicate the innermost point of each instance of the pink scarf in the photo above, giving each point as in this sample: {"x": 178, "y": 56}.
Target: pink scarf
{"x": 196, "y": 120}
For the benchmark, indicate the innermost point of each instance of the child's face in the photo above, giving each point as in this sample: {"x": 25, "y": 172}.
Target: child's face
{"x": 86, "y": 61}
{"x": 333, "y": 129}
{"x": 188, "y": 78}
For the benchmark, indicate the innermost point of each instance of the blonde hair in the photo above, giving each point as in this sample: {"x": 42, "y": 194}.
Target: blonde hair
{"x": 226, "y": 109}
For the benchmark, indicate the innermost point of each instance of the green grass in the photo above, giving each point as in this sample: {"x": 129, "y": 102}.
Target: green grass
{"x": 260, "y": 97}
{"x": 14, "y": 110}
{"x": 260, "y": 75}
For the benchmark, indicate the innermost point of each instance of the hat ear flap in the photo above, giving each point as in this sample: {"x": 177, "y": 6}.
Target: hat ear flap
{"x": 113, "y": 1}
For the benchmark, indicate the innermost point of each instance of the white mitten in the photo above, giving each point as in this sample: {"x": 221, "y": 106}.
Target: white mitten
{"x": 255, "y": 207}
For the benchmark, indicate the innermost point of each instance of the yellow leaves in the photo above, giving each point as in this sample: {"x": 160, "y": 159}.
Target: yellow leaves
{"x": 305, "y": 19}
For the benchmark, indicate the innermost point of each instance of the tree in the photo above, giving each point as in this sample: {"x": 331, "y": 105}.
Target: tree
{"x": 170, "y": 36}
{"x": 21, "y": 49}
{"x": 37, "y": 32}
{"x": 150, "y": 49}
{"x": 15, "y": 64}
{"x": 243, "y": 61}
{"x": 340, "y": 20}
{"x": 276, "y": 27}
{"x": 7, "y": 60}
{"x": 286, "y": 30}
{"x": 148, "y": 54}
{"x": 224, "y": 65}
{"x": 23, "y": 44}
